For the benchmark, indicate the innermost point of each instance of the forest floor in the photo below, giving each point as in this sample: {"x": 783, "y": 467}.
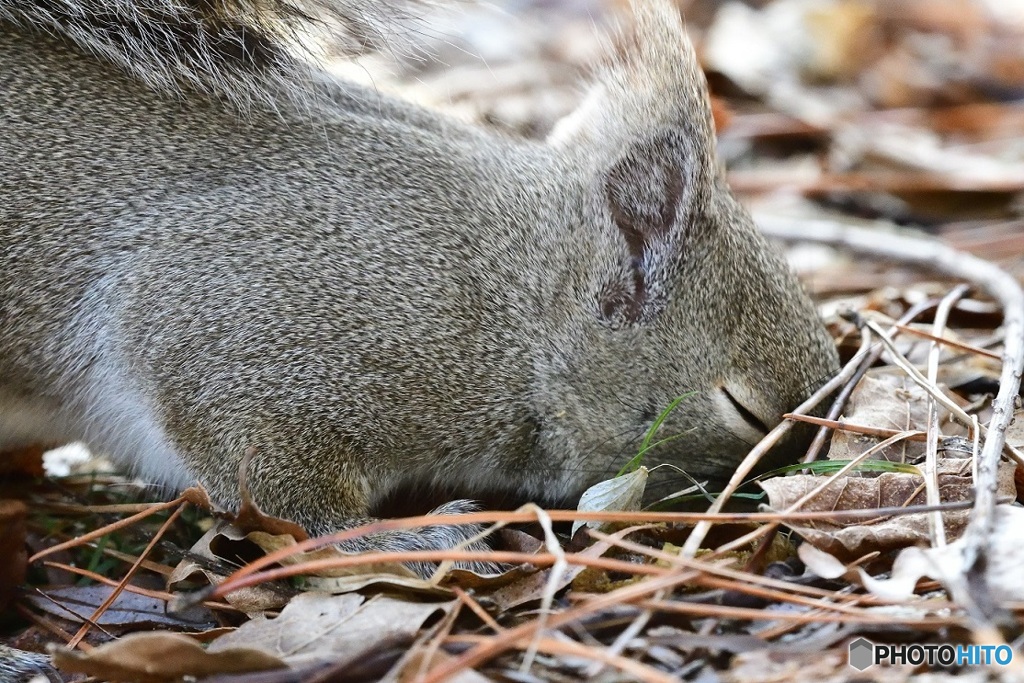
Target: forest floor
{"x": 903, "y": 118}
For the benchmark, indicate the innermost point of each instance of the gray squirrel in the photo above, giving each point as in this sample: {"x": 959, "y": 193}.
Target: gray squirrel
{"x": 209, "y": 245}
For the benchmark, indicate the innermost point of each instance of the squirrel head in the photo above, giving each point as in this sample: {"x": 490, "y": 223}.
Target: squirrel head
{"x": 676, "y": 291}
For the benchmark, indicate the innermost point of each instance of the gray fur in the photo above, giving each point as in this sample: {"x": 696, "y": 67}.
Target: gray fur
{"x": 249, "y": 52}
{"x": 376, "y": 295}
{"x": 19, "y": 666}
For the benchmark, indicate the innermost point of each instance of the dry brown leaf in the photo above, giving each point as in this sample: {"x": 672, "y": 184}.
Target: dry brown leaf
{"x": 532, "y": 587}
{"x": 513, "y": 540}
{"x": 251, "y": 518}
{"x": 966, "y": 369}
{"x": 160, "y": 656}
{"x": 850, "y": 540}
{"x": 317, "y": 627}
{"x": 889, "y": 401}
{"x": 72, "y": 603}
{"x": 224, "y": 548}
{"x": 518, "y": 541}
{"x": 469, "y": 580}
{"x": 1001, "y": 567}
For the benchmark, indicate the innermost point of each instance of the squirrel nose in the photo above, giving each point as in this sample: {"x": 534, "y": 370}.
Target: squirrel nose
{"x": 741, "y": 414}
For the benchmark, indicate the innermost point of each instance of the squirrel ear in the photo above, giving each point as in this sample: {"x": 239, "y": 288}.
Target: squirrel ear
{"x": 650, "y": 192}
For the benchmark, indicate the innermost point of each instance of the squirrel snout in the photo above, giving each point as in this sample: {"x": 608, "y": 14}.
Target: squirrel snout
{"x": 742, "y": 414}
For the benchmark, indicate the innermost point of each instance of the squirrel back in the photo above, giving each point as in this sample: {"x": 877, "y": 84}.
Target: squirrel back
{"x": 366, "y": 294}
{"x": 249, "y": 52}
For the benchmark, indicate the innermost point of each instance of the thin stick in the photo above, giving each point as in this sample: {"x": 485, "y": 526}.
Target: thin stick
{"x": 49, "y": 627}
{"x": 931, "y": 464}
{"x": 128, "y": 576}
{"x": 716, "y": 575}
{"x": 495, "y": 645}
{"x": 130, "y": 588}
{"x": 636, "y": 670}
{"x": 700, "y": 531}
{"x": 558, "y": 570}
{"x": 751, "y": 536}
{"x": 81, "y": 617}
{"x": 959, "y": 346}
{"x": 1002, "y": 287}
{"x": 844, "y": 426}
{"x": 109, "y": 528}
{"x": 626, "y": 636}
{"x": 244, "y": 576}
{"x": 844, "y": 394}
{"x": 477, "y": 609}
{"x": 434, "y": 638}
{"x": 916, "y": 376}
{"x": 704, "y": 610}
{"x": 840, "y": 401}
{"x": 358, "y": 559}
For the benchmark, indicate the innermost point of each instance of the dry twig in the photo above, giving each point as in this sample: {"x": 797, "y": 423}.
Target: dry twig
{"x": 1002, "y": 287}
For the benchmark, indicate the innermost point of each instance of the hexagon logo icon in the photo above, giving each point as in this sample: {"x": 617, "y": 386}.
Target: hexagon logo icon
{"x": 862, "y": 654}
